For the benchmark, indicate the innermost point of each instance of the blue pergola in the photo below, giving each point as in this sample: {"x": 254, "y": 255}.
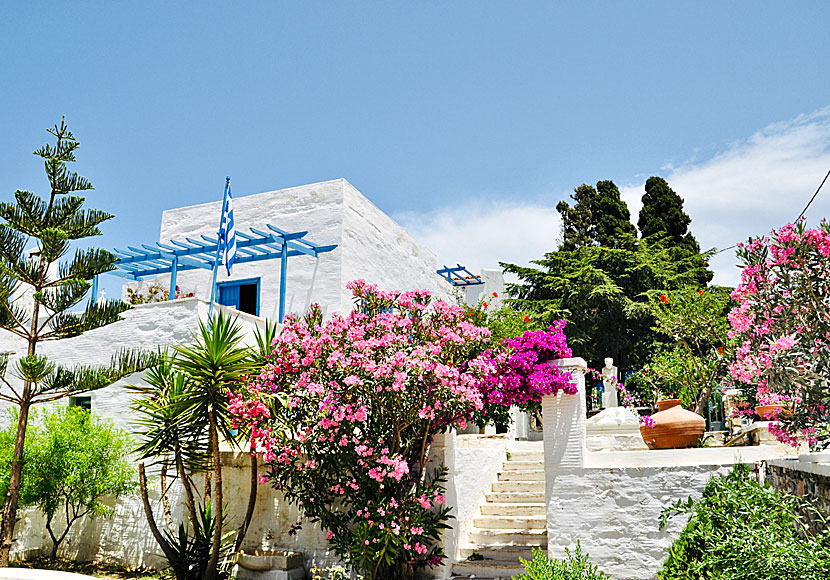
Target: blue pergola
{"x": 459, "y": 276}
{"x": 179, "y": 256}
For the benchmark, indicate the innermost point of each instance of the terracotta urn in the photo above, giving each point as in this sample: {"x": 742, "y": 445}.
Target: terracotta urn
{"x": 771, "y": 412}
{"x": 674, "y": 427}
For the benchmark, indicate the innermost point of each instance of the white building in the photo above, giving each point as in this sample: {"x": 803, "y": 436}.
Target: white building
{"x": 368, "y": 245}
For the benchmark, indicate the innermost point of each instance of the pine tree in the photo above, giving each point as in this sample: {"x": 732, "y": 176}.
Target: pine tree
{"x": 578, "y": 225}
{"x": 39, "y": 286}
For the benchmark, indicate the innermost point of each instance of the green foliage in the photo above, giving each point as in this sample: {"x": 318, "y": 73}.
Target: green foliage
{"x": 181, "y": 414}
{"x": 605, "y": 295}
{"x": 574, "y": 567}
{"x": 695, "y": 320}
{"x": 599, "y": 217}
{"x": 741, "y": 530}
{"x": 662, "y": 218}
{"x": 38, "y": 290}
{"x": 74, "y": 461}
{"x": 192, "y": 550}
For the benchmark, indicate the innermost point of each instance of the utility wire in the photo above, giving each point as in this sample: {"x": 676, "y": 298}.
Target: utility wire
{"x": 801, "y": 215}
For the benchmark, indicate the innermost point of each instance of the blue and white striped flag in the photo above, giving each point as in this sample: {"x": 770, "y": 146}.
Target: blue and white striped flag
{"x": 228, "y": 233}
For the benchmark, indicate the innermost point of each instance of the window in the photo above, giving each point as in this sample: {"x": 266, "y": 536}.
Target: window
{"x": 240, "y": 294}
{"x": 84, "y": 402}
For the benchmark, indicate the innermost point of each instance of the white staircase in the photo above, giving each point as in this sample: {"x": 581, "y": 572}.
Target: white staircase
{"x": 512, "y": 521}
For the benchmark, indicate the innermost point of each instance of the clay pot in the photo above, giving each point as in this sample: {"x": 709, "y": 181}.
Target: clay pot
{"x": 674, "y": 427}
{"x": 771, "y": 412}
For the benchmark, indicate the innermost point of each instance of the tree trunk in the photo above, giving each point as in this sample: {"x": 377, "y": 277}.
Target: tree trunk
{"x": 213, "y": 564}
{"x": 188, "y": 487}
{"x": 165, "y": 499}
{"x": 249, "y": 514}
{"x": 151, "y": 521}
{"x": 13, "y": 496}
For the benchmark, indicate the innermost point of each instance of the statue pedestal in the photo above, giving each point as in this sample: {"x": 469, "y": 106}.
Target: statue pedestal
{"x": 614, "y": 429}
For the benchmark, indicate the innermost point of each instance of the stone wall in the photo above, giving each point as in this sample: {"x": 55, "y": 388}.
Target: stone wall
{"x": 807, "y": 479}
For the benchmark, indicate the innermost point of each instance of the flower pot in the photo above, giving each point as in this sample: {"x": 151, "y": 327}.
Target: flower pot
{"x": 771, "y": 412}
{"x": 674, "y": 427}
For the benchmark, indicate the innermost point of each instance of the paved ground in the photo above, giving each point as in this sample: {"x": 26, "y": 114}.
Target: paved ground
{"x": 34, "y": 574}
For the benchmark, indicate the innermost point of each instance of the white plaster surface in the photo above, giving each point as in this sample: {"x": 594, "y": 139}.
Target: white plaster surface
{"x": 611, "y": 501}
{"x": 126, "y": 539}
{"x": 147, "y": 326}
{"x": 370, "y": 246}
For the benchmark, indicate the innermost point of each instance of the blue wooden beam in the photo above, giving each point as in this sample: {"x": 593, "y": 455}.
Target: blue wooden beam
{"x": 174, "y": 269}
{"x": 283, "y": 284}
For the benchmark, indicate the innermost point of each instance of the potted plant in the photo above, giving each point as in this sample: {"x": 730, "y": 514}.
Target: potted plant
{"x": 771, "y": 405}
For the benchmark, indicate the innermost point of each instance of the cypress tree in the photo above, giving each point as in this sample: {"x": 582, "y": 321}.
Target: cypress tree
{"x": 662, "y": 214}
{"x": 39, "y": 287}
{"x": 613, "y": 220}
{"x": 663, "y": 221}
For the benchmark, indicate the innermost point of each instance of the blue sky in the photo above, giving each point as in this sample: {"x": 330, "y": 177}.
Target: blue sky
{"x": 467, "y": 121}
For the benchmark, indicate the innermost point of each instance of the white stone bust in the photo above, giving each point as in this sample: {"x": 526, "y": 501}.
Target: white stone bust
{"x": 609, "y": 396}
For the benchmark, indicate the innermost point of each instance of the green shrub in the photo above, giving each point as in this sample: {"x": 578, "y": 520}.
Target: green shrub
{"x": 742, "y": 530}
{"x": 575, "y": 566}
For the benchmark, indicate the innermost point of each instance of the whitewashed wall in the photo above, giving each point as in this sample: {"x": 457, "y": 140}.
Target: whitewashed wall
{"x": 126, "y": 539}
{"x": 371, "y": 246}
{"x": 611, "y": 501}
{"x": 147, "y": 326}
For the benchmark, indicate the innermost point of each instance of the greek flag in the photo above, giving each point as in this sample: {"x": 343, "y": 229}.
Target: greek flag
{"x": 227, "y": 233}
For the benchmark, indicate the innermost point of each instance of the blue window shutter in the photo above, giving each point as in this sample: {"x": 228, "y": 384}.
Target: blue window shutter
{"x": 229, "y": 295}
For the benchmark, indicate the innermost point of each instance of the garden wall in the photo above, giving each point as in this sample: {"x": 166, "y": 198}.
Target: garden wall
{"x": 126, "y": 538}
{"x": 611, "y": 501}
{"x": 807, "y": 479}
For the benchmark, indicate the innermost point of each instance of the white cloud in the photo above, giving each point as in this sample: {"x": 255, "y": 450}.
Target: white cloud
{"x": 481, "y": 235}
{"x": 752, "y": 187}
{"x": 749, "y": 188}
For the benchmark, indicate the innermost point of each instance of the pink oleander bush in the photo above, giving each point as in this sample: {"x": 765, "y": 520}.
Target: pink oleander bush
{"x": 782, "y": 325}
{"x": 366, "y": 396}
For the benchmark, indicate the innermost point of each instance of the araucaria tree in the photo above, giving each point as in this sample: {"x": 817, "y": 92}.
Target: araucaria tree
{"x": 39, "y": 285}
{"x": 367, "y": 395}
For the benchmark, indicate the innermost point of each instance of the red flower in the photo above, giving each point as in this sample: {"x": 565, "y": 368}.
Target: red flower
{"x": 495, "y": 294}
{"x": 700, "y": 292}
{"x": 527, "y": 318}
{"x": 664, "y": 299}
{"x": 485, "y": 305}
{"x": 720, "y": 350}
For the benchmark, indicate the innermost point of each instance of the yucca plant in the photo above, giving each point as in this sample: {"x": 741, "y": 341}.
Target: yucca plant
{"x": 183, "y": 414}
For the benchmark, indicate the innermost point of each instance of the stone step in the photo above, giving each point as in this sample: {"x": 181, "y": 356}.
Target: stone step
{"x": 513, "y": 509}
{"x": 487, "y": 568}
{"x": 515, "y": 497}
{"x": 503, "y": 553}
{"x": 519, "y": 486}
{"x": 523, "y": 475}
{"x": 511, "y": 522}
{"x": 526, "y": 456}
{"x": 510, "y": 537}
{"x": 520, "y": 465}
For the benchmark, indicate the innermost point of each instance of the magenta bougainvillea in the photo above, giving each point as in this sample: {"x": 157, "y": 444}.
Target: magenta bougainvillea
{"x": 366, "y": 396}
{"x": 782, "y": 325}
{"x": 523, "y": 370}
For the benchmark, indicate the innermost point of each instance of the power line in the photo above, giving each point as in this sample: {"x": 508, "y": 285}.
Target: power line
{"x": 803, "y": 211}
{"x": 801, "y": 215}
